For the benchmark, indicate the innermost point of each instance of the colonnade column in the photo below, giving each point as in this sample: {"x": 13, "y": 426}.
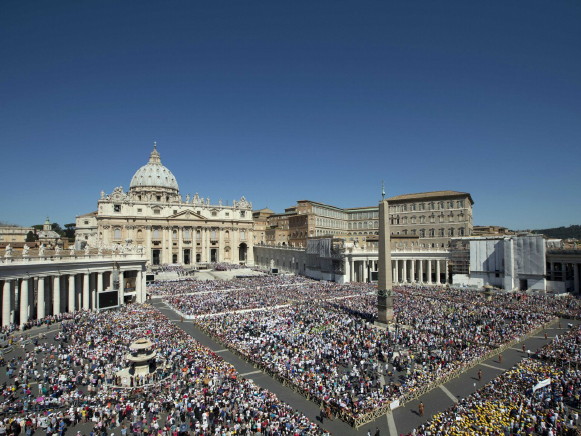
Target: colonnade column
{"x": 421, "y": 278}
{"x": 429, "y": 271}
{"x": 447, "y": 272}
{"x": 6, "y": 302}
{"x": 405, "y": 271}
{"x": 56, "y": 297}
{"x": 98, "y": 290}
{"x": 86, "y": 302}
{"x": 396, "y": 272}
{"x": 438, "y": 280}
{"x": 413, "y": 271}
{"x": 40, "y": 303}
{"x": 72, "y": 290}
{"x": 23, "y": 301}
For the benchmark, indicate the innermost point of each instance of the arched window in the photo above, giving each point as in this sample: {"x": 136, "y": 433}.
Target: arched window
{"x": 117, "y": 233}
{"x": 198, "y": 235}
{"x": 227, "y": 234}
{"x": 242, "y": 235}
{"x": 187, "y": 234}
{"x": 139, "y": 234}
{"x": 155, "y": 233}
{"x": 432, "y": 233}
{"x": 174, "y": 234}
{"x": 461, "y": 231}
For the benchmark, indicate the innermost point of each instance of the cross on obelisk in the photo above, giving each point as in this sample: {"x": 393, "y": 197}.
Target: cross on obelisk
{"x": 384, "y": 283}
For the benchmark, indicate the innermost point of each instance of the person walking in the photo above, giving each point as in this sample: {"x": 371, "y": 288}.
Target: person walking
{"x": 500, "y": 358}
{"x": 421, "y": 409}
{"x": 479, "y": 375}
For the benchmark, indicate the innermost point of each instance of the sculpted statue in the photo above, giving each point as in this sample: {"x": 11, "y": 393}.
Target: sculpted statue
{"x": 57, "y": 250}
{"x": 102, "y": 195}
{"x": 220, "y": 202}
{"x": 8, "y": 252}
{"x": 86, "y": 250}
{"x": 187, "y": 198}
{"x": 41, "y": 250}
{"x": 25, "y": 250}
{"x": 72, "y": 251}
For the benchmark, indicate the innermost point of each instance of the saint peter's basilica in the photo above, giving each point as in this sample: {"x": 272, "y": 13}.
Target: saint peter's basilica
{"x": 171, "y": 229}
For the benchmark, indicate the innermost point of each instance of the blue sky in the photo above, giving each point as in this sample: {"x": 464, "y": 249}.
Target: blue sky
{"x": 283, "y": 101}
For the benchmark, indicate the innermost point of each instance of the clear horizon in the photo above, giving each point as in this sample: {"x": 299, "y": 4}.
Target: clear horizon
{"x": 283, "y": 102}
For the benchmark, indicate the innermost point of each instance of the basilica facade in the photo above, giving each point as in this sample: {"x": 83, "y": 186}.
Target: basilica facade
{"x": 171, "y": 229}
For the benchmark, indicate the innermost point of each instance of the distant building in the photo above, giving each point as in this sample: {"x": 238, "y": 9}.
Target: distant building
{"x": 14, "y": 234}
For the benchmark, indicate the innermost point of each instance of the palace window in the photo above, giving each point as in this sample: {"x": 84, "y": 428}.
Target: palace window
{"x": 450, "y": 232}
{"x": 242, "y": 235}
{"x": 460, "y": 204}
{"x": 422, "y": 233}
{"x": 432, "y": 233}
{"x": 214, "y": 213}
{"x": 441, "y": 233}
{"x": 422, "y": 219}
{"x": 461, "y": 231}
{"x": 117, "y": 208}
{"x": 242, "y": 214}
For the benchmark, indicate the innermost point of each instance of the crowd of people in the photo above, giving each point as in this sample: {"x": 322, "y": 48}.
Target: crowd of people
{"x": 195, "y": 390}
{"x": 515, "y": 403}
{"x": 565, "y": 349}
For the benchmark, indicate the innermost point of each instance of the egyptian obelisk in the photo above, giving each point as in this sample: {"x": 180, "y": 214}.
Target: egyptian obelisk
{"x": 384, "y": 283}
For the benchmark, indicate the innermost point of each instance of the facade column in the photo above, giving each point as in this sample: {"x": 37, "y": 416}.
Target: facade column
{"x": 396, "y": 272}
{"x": 140, "y": 292}
{"x": 429, "y": 271}
{"x": 180, "y": 245}
{"x": 413, "y": 271}
{"x": 72, "y": 290}
{"x": 447, "y": 272}
{"x": 56, "y": 295}
{"x": 23, "y": 301}
{"x": 438, "y": 280}
{"x": 121, "y": 288}
{"x": 6, "y": 302}
{"x": 421, "y": 277}
{"x": 40, "y": 311}
{"x": 86, "y": 280}
{"x": 405, "y": 271}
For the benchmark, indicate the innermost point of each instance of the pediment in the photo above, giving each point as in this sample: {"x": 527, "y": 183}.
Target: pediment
{"x": 186, "y": 215}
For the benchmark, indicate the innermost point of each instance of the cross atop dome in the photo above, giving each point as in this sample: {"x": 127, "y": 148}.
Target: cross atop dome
{"x": 154, "y": 157}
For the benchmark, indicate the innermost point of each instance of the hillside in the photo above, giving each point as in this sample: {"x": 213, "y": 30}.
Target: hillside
{"x": 573, "y": 232}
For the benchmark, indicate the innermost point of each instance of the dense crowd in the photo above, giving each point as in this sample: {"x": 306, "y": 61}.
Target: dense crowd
{"x": 514, "y": 404}
{"x": 565, "y": 349}
{"x": 332, "y": 353}
{"x": 194, "y": 389}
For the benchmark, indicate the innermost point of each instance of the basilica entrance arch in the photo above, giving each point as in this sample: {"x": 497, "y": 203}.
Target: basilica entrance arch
{"x": 242, "y": 250}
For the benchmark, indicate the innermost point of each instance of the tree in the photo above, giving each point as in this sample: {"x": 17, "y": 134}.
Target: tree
{"x": 70, "y": 230}
{"x": 31, "y": 236}
{"x": 57, "y": 228}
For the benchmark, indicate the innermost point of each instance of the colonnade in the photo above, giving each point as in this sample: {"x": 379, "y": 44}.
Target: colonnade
{"x": 26, "y": 298}
{"x": 424, "y": 271}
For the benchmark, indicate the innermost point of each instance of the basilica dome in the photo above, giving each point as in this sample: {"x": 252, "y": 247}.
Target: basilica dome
{"x": 153, "y": 175}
